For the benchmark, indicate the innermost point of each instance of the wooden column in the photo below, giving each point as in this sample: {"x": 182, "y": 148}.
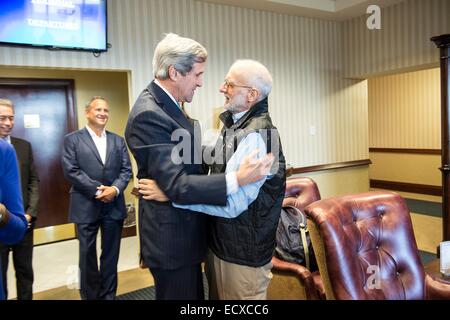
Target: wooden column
{"x": 443, "y": 43}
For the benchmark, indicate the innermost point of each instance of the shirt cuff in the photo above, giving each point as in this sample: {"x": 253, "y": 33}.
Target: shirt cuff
{"x": 99, "y": 192}
{"x": 232, "y": 183}
{"x": 117, "y": 189}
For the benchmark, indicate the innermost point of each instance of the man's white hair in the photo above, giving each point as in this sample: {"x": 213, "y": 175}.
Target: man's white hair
{"x": 179, "y": 52}
{"x": 257, "y": 75}
{"x": 7, "y": 102}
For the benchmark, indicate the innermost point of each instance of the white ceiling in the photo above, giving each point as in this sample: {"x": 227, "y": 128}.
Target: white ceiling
{"x": 324, "y": 9}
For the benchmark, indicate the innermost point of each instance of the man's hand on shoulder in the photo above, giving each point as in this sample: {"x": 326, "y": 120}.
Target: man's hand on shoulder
{"x": 252, "y": 170}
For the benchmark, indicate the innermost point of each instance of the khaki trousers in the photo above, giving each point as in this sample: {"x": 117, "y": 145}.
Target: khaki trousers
{"x": 230, "y": 281}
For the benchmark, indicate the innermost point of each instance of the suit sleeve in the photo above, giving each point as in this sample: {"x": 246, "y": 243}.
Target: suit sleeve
{"x": 125, "y": 170}
{"x": 72, "y": 171}
{"x": 149, "y": 137}
{"x": 33, "y": 186}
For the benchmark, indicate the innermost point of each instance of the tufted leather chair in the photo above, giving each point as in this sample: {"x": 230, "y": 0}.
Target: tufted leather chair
{"x": 292, "y": 281}
{"x": 366, "y": 249}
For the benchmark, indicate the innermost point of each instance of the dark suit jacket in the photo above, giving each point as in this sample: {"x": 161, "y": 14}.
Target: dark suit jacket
{"x": 170, "y": 237}
{"x": 84, "y": 169}
{"x": 28, "y": 176}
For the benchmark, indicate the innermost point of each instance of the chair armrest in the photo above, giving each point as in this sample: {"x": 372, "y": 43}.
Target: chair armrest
{"x": 436, "y": 289}
{"x": 297, "y": 269}
{"x": 317, "y": 285}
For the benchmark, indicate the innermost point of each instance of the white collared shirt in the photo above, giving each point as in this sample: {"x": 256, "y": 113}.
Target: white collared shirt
{"x": 238, "y": 116}
{"x": 100, "y": 143}
{"x": 168, "y": 93}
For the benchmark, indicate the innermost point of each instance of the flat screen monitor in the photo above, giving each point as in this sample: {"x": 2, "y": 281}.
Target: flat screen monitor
{"x": 63, "y": 24}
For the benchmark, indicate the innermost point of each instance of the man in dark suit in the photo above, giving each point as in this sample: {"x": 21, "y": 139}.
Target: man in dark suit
{"x": 96, "y": 163}
{"x": 173, "y": 241}
{"x": 22, "y": 251}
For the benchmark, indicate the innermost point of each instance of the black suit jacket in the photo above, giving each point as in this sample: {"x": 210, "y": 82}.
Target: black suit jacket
{"x": 84, "y": 169}
{"x": 170, "y": 237}
{"x": 28, "y": 176}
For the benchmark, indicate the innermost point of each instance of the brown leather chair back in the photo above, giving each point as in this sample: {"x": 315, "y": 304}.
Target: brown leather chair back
{"x": 300, "y": 192}
{"x": 369, "y": 247}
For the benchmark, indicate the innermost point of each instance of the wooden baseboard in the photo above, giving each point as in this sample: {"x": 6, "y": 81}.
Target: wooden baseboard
{"x": 406, "y": 150}
{"x": 53, "y": 234}
{"x": 67, "y": 232}
{"x": 407, "y": 187}
{"x": 129, "y": 232}
{"x": 331, "y": 166}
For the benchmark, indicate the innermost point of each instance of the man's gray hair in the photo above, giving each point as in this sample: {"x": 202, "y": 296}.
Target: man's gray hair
{"x": 88, "y": 104}
{"x": 257, "y": 75}
{"x": 179, "y": 52}
{"x": 7, "y": 102}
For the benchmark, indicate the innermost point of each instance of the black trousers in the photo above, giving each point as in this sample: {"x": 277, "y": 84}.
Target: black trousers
{"x": 99, "y": 283}
{"x": 179, "y": 284}
{"x": 22, "y": 254}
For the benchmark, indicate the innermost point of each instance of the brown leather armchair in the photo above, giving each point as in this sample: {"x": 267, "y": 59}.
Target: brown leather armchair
{"x": 292, "y": 281}
{"x": 366, "y": 249}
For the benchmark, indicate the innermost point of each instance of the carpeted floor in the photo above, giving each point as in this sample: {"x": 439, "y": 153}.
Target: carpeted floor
{"x": 428, "y": 208}
{"x": 427, "y": 257}
{"x": 149, "y": 293}
{"x": 141, "y": 294}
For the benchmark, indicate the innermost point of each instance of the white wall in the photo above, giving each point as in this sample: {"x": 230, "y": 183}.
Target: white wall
{"x": 405, "y": 110}
{"x": 402, "y": 43}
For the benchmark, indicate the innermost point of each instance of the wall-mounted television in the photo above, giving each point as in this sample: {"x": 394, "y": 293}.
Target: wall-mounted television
{"x": 59, "y": 24}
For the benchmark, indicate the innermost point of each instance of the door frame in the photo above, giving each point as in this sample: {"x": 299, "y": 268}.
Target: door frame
{"x": 67, "y": 231}
{"x": 68, "y": 84}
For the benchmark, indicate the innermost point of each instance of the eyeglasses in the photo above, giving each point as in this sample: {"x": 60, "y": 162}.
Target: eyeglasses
{"x": 227, "y": 85}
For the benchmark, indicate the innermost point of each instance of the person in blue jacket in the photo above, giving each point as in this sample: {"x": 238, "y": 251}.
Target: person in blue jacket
{"x": 13, "y": 223}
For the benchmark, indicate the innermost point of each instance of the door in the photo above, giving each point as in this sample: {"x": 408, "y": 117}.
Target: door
{"x": 44, "y": 113}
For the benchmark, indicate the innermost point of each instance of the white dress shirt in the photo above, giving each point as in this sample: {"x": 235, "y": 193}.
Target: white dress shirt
{"x": 231, "y": 177}
{"x": 100, "y": 144}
